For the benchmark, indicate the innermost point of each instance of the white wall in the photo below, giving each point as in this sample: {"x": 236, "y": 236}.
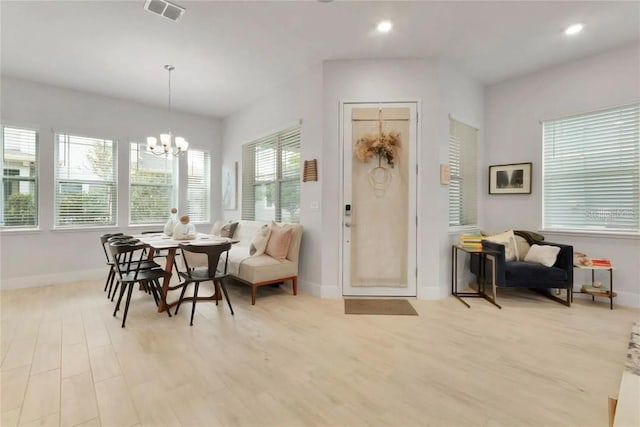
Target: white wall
{"x": 43, "y": 257}
{"x": 297, "y": 100}
{"x": 513, "y": 134}
{"x": 315, "y": 98}
{"x": 441, "y": 91}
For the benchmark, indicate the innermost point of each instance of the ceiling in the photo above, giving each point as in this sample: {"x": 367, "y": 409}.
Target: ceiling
{"x": 228, "y": 53}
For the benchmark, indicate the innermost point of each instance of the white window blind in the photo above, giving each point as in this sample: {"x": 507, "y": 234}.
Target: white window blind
{"x": 463, "y": 165}
{"x": 19, "y": 178}
{"x": 198, "y": 185}
{"x": 591, "y": 171}
{"x": 151, "y": 185}
{"x": 271, "y": 177}
{"x": 85, "y": 182}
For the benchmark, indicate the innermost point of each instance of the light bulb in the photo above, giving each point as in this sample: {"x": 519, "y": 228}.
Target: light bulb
{"x": 573, "y": 29}
{"x": 384, "y": 26}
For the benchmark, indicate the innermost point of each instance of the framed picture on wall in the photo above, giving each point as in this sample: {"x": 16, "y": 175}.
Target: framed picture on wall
{"x": 510, "y": 179}
{"x": 229, "y": 182}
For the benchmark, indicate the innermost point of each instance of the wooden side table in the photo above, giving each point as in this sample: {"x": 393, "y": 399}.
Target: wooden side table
{"x": 595, "y": 292}
{"x": 484, "y": 255}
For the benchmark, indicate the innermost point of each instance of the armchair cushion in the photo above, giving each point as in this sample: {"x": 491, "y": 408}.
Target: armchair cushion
{"x": 527, "y": 272}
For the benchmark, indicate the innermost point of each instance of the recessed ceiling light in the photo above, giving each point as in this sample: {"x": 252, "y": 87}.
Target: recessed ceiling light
{"x": 384, "y": 26}
{"x": 573, "y": 29}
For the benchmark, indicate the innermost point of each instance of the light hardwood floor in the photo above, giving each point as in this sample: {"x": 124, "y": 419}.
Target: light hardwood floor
{"x": 290, "y": 361}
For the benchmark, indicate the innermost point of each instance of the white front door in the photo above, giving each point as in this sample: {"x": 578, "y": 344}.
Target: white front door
{"x": 379, "y": 199}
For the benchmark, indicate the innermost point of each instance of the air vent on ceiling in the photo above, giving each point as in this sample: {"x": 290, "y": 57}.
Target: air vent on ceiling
{"x": 164, "y": 8}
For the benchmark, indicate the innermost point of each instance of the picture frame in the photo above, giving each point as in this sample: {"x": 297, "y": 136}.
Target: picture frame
{"x": 445, "y": 174}
{"x": 229, "y": 186}
{"x": 512, "y": 178}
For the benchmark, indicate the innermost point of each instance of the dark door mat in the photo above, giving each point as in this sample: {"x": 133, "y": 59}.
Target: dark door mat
{"x": 400, "y": 307}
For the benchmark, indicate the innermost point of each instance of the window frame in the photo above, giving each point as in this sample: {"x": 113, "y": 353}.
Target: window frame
{"x": 249, "y": 182}
{"x": 578, "y": 174}
{"x": 57, "y": 180}
{"x": 174, "y": 187}
{"x": 208, "y": 166}
{"x": 35, "y": 179}
{"x": 459, "y": 176}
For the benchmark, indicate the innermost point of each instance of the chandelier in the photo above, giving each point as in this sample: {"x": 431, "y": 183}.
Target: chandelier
{"x": 168, "y": 143}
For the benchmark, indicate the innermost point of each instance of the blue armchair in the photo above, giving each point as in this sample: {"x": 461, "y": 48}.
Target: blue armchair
{"x": 534, "y": 276}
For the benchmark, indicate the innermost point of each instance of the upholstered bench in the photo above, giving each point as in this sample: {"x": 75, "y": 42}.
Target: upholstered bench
{"x": 260, "y": 268}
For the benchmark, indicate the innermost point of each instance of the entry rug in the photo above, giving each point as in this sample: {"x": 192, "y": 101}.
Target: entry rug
{"x": 400, "y": 307}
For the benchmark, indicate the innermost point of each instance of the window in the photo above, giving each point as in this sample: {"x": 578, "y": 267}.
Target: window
{"x": 198, "y": 185}
{"x": 591, "y": 171}
{"x": 85, "y": 182}
{"x": 19, "y": 178}
{"x": 151, "y": 186}
{"x": 271, "y": 177}
{"x": 463, "y": 166}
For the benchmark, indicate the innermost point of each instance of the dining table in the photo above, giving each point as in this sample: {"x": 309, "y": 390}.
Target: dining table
{"x": 160, "y": 241}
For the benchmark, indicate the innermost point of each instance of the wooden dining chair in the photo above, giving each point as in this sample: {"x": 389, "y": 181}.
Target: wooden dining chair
{"x": 104, "y": 239}
{"x": 145, "y": 264}
{"x": 206, "y": 274}
{"x": 129, "y": 257}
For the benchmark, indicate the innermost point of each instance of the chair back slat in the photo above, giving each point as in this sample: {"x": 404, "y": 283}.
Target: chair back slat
{"x": 103, "y": 241}
{"x": 213, "y": 253}
{"x": 123, "y": 253}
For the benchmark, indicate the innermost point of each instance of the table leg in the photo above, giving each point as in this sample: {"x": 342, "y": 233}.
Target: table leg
{"x": 611, "y": 289}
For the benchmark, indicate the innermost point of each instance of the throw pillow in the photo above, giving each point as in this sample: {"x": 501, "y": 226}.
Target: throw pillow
{"x": 217, "y": 226}
{"x": 228, "y": 230}
{"x": 543, "y": 254}
{"x": 279, "y": 241}
{"x": 508, "y": 239}
{"x": 523, "y": 247}
{"x": 259, "y": 243}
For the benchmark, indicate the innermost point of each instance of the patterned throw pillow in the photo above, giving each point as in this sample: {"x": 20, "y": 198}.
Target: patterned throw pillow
{"x": 228, "y": 230}
{"x": 259, "y": 243}
{"x": 279, "y": 241}
{"x": 508, "y": 239}
{"x": 217, "y": 226}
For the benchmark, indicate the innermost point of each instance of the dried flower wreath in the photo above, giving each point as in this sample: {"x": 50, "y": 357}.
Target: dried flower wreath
{"x": 385, "y": 145}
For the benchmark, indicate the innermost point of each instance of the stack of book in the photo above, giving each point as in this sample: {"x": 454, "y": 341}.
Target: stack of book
{"x": 600, "y": 262}
{"x": 471, "y": 241}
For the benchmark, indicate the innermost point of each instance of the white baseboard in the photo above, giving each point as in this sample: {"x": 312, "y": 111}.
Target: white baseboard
{"x": 52, "y": 279}
{"x": 318, "y": 290}
{"x": 432, "y": 292}
{"x": 309, "y": 287}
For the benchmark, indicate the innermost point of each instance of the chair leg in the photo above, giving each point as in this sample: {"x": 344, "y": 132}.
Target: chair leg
{"x": 106, "y": 284}
{"x": 126, "y": 307}
{"x": 547, "y": 293}
{"x": 184, "y": 288}
{"x": 115, "y": 290}
{"x": 154, "y": 291}
{"x": 254, "y": 291}
{"x": 157, "y": 288}
{"x": 226, "y": 295}
{"x": 122, "y": 289}
{"x": 195, "y": 297}
{"x": 110, "y": 283}
{"x": 294, "y": 283}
